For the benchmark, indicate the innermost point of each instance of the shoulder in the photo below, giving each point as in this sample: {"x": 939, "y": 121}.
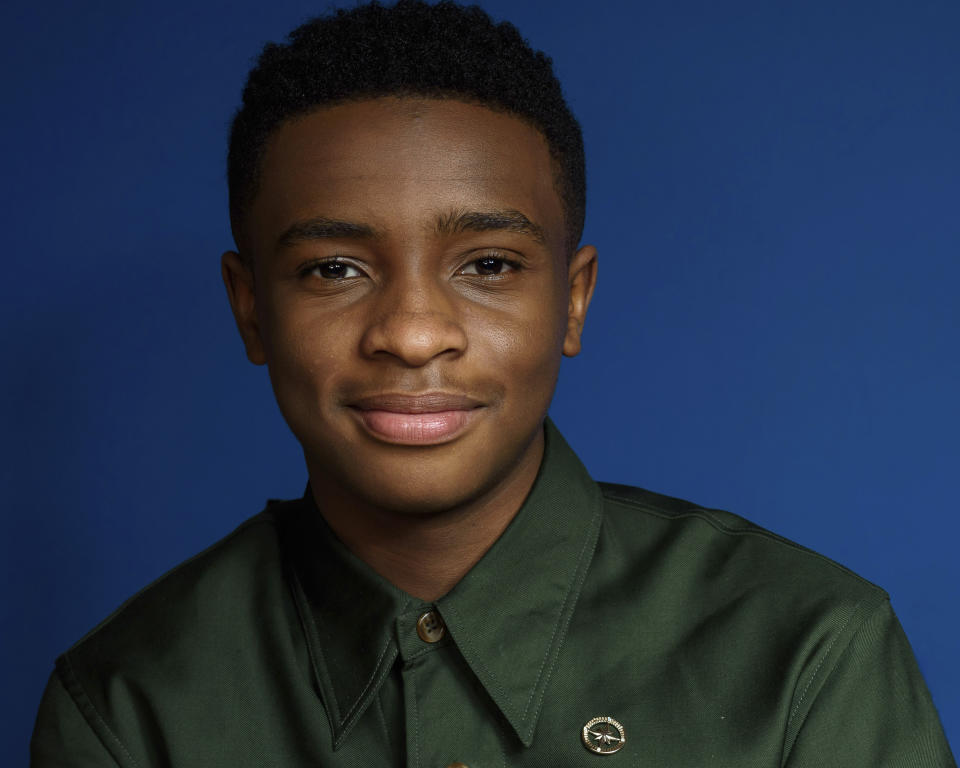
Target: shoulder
{"x": 722, "y": 598}
{"x": 203, "y": 577}
{"x": 716, "y": 539}
{"x": 190, "y": 617}
{"x": 177, "y": 657}
{"x": 698, "y": 569}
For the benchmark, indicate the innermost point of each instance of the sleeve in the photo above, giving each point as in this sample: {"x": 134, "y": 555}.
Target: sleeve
{"x": 872, "y": 709}
{"x": 62, "y": 738}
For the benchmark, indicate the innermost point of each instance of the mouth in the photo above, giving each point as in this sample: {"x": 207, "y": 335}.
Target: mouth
{"x": 431, "y": 418}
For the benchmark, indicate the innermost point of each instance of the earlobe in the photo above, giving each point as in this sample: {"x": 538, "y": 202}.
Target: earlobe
{"x": 238, "y": 280}
{"x": 583, "y": 279}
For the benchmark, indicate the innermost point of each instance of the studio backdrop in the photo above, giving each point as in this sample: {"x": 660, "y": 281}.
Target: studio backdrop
{"x": 773, "y": 190}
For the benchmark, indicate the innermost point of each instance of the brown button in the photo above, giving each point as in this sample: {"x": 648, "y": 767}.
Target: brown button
{"x": 457, "y": 765}
{"x": 430, "y": 628}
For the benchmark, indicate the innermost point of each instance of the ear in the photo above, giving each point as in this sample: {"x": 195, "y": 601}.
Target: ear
{"x": 583, "y": 278}
{"x": 238, "y": 279}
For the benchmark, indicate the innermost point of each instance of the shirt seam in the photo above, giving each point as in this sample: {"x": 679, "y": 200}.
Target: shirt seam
{"x": 750, "y": 529}
{"x": 383, "y": 722}
{"x": 467, "y": 643}
{"x": 74, "y": 682}
{"x": 502, "y": 736}
{"x": 816, "y": 670}
{"x": 579, "y": 575}
{"x": 427, "y": 648}
{"x": 314, "y": 648}
{"x": 416, "y": 718}
{"x": 826, "y": 654}
{"x": 370, "y": 680}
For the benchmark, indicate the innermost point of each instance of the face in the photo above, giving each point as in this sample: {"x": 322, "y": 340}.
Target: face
{"x": 411, "y": 295}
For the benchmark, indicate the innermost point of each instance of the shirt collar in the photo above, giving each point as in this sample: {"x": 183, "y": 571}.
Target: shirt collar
{"x": 508, "y": 616}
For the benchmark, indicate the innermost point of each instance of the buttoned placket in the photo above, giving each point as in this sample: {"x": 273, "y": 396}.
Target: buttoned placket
{"x": 449, "y": 718}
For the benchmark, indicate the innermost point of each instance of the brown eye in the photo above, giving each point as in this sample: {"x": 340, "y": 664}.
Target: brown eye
{"x": 488, "y": 265}
{"x": 334, "y": 270}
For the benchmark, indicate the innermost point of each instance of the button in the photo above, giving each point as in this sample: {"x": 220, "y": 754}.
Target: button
{"x": 430, "y": 628}
{"x": 457, "y": 765}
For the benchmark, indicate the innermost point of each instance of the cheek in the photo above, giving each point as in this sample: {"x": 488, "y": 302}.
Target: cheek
{"x": 304, "y": 351}
{"x": 525, "y": 343}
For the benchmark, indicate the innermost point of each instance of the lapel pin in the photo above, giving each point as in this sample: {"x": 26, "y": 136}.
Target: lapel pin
{"x": 604, "y": 735}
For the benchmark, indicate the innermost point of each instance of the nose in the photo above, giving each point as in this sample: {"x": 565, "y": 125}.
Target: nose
{"x": 414, "y": 322}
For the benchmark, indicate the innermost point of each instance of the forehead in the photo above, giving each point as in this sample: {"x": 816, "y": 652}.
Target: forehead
{"x": 397, "y": 163}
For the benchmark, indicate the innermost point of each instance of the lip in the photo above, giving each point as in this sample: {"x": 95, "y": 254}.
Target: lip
{"x": 427, "y": 402}
{"x": 431, "y": 418}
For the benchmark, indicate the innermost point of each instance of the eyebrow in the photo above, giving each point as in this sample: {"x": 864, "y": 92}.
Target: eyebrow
{"x": 489, "y": 221}
{"x": 455, "y": 222}
{"x": 322, "y": 228}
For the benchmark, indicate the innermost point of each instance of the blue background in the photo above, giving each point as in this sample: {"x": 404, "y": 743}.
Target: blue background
{"x": 774, "y": 192}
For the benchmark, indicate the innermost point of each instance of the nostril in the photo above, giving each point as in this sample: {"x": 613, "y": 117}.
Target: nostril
{"x": 414, "y": 338}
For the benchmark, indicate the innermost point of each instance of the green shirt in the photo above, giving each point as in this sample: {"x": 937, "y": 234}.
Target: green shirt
{"x": 712, "y": 642}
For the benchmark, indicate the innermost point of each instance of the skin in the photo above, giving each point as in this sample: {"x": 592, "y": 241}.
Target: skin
{"x": 424, "y": 300}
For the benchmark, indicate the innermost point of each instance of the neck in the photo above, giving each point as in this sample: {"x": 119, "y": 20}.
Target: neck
{"x": 426, "y": 555}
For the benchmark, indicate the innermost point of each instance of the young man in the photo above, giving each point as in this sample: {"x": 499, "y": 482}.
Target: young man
{"x": 407, "y": 198}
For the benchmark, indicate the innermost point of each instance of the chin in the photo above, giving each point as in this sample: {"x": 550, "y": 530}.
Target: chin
{"x": 416, "y": 481}
{"x": 425, "y": 488}
{"x": 417, "y": 502}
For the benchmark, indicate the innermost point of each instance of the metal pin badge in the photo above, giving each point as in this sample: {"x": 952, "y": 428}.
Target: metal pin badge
{"x": 604, "y": 735}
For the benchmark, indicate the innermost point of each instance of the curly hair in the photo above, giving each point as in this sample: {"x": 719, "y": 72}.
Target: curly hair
{"x": 443, "y": 51}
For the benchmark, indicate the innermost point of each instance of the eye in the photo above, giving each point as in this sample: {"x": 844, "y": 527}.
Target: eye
{"x": 489, "y": 265}
{"x": 331, "y": 269}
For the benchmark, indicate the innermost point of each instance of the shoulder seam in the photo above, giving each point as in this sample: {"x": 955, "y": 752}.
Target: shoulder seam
{"x": 750, "y": 529}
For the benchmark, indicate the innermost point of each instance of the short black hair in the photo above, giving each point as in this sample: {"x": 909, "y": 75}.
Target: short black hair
{"x": 412, "y": 49}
